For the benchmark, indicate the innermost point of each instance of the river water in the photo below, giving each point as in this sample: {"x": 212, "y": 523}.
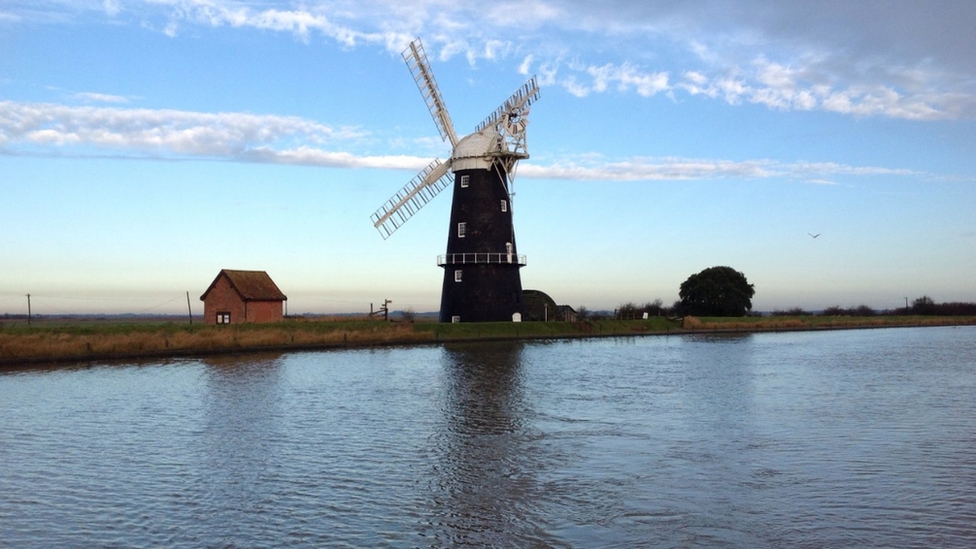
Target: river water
{"x": 835, "y": 439}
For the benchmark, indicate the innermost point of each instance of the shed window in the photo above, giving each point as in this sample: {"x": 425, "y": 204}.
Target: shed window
{"x": 504, "y": 205}
{"x": 462, "y": 229}
{"x": 457, "y": 275}
{"x": 464, "y": 181}
{"x": 223, "y": 318}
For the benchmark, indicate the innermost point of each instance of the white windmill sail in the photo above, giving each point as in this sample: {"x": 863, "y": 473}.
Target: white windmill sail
{"x": 512, "y": 116}
{"x": 416, "y": 59}
{"x": 479, "y": 148}
{"x": 414, "y": 195}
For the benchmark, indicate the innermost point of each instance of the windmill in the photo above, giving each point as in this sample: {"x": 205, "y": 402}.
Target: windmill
{"x": 481, "y": 265}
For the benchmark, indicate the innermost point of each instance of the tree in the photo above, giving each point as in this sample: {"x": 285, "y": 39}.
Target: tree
{"x": 627, "y": 311}
{"x": 582, "y": 313}
{"x": 924, "y": 305}
{"x": 716, "y": 291}
{"x": 792, "y": 311}
{"x": 655, "y": 308}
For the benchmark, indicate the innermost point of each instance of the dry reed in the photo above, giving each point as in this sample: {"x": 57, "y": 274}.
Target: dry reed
{"x": 53, "y": 344}
{"x": 114, "y": 340}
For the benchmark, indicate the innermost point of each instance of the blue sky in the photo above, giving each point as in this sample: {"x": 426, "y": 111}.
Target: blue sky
{"x": 145, "y": 145}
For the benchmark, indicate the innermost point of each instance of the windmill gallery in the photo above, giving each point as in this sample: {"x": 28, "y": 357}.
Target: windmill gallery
{"x": 481, "y": 265}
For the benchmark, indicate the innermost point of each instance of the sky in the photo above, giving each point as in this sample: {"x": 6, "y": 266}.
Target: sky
{"x": 147, "y": 144}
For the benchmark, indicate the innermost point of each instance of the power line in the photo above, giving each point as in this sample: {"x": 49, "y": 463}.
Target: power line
{"x": 32, "y": 300}
{"x": 90, "y": 298}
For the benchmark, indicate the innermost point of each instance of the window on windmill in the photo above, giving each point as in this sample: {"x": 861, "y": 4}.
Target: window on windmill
{"x": 457, "y": 275}
{"x": 462, "y": 229}
{"x": 455, "y": 319}
{"x": 464, "y": 181}
{"x": 504, "y": 205}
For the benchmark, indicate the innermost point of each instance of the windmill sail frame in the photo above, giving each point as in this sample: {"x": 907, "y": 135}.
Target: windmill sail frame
{"x": 416, "y": 59}
{"x": 508, "y": 147}
{"x": 411, "y": 198}
{"x": 510, "y": 119}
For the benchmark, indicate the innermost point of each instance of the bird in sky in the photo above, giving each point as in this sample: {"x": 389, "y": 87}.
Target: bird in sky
{"x": 814, "y": 235}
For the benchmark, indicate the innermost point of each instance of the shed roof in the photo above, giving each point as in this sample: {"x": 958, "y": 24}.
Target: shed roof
{"x": 250, "y": 285}
{"x": 565, "y": 308}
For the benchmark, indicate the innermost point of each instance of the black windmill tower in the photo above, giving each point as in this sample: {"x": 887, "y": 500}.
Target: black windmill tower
{"x": 481, "y": 266}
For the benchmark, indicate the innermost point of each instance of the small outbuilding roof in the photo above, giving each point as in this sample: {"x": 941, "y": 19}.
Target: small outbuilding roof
{"x": 563, "y": 309}
{"x": 250, "y": 285}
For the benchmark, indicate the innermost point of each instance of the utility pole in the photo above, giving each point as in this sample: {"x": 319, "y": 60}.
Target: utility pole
{"x": 189, "y": 313}
{"x": 28, "y": 310}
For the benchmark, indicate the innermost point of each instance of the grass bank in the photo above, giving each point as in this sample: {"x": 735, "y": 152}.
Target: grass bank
{"x": 121, "y": 340}
{"x": 108, "y": 339}
{"x": 812, "y": 322}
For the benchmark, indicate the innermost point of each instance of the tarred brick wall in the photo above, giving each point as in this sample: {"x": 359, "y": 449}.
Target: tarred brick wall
{"x": 223, "y": 298}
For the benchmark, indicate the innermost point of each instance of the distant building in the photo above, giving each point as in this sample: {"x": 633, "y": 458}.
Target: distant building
{"x": 539, "y": 307}
{"x": 566, "y": 313}
{"x": 237, "y": 297}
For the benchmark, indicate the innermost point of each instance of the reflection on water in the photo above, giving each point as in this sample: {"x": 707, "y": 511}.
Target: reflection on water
{"x": 846, "y": 439}
{"x": 483, "y": 487}
{"x": 240, "y": 437}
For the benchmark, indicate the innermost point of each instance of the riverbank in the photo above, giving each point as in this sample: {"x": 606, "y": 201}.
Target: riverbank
{"x": 22, "y": 345}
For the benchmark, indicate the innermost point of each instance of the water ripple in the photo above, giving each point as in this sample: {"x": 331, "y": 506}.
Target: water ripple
{"x": 847, "y": 439}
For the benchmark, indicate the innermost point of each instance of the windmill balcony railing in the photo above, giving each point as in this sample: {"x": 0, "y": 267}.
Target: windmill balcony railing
{"x": 480, "y": 258}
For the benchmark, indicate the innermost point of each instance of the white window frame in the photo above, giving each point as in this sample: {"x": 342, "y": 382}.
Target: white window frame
{"x": 464, "y": 181}
{"x": 462, "y": 229}
{"x": 457, "y": 275}
{"x": 455, "y": 319}
{"x": 504, "y": 205}
{"x": 223, "y": 318}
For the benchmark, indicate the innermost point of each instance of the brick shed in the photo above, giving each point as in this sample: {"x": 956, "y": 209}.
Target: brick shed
{"x": 237, "y": 297}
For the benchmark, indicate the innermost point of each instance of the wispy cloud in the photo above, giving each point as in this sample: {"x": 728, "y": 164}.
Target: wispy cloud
{"x": 311, "y": 156}
{"x": 302, "y": 21}
{"x": 157, "y": 133}
{"x": 680, "y": 169}
{"x": 766, "y": 83}
{"x": 52, "y": 129}
{"x": 112, "y": 7}
{"x": 807, "y": 88}
{"x": 100, "y": 97}
{"x": 910, "y": 61}
{"x": 626, "y": 77}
